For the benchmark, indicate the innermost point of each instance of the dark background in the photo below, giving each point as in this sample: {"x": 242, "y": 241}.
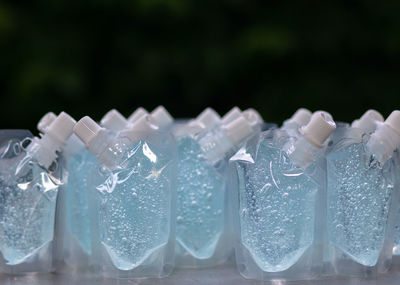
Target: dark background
{"x": 86, "y": 57}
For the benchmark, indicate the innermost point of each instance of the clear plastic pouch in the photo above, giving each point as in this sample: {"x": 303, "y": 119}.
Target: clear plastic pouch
{"x": 73, "y": 220}
{"x": 28, "y": 207}
{"x": 132, "y": 210}
{"x": 361, "y": 204}
{"x": 203, "y": 229}
{"x": 276, "y": 211}
{"x": 396, "y": 245}
{"x": 203, "y": 238}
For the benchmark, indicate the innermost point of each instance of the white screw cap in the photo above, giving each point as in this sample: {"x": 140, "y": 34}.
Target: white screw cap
{"x": 368, "y": 121}
{"x": 45, "y": 121}
{"x": 144, "y": 125}
{"x": 61, "y": 128}
{"x": 87, "y": 130}
{"x": 386, "y": 138}
{"x": 114, "y": 121}
{"x": 52, "y": 140}
{"x": 393, "y": 122}
{"x": 234, "y": 113}
{"x": 208, "y": 118}
{"x": 319, "y": 128}
{"x": 252, "y": 116}
{"x": 138, "y": 113}
{"x": 301, "y": 117}
{"x": 238, "y": 130}
{"x": 161, "y": 116}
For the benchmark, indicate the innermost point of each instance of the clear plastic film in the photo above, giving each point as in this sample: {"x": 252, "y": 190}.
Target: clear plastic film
{"x": 202, "y": 231}
{"x": 361, "y": 204}
{"x": 276, "y": 206}
{"x": 132, "y": 208}
{"x": 203, "y": 235}
{"x": 74, "y": 220}
{"x": 28, "y": 206}
{"x": 396, "y": 242}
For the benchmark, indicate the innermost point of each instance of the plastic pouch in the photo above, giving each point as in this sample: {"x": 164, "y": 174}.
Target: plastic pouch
{"x": 74, "y": 218}
{"x": 276, "y": 206}
{"x": 203, "y": 229}
{"x": 203, "y": 238}
{"x": 28, "y": 206}
{"x": 277, "y": 191}
{"x": 396, "y": 243}
{"x": 132, "y": 209}
{"x": 360, "y": 204}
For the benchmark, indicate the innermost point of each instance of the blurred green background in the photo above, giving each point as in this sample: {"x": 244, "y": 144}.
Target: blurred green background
{"x": 86, "y": 57}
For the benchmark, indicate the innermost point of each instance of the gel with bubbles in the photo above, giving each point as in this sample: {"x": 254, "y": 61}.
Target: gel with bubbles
{"x": 360, "y": 188}
{"x": 30, "y": 178}
{"x": 278, "y": 191}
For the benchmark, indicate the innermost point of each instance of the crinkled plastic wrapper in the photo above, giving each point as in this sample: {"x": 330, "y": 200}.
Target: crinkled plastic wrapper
{"x": 277, "y": 210}
{"x": 361, "y": 202}
{"x": 132, "y": 209}
{"x": 28, "y": 207}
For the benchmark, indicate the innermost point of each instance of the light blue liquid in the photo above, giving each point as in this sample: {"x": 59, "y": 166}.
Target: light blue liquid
{"x": 27, "y": 210}
{"x": 135, "y": 207}
{"x": 200, "y": 204}
{"x": 79, "y": 167}
{"x": 396, "y": 244}
{"x": 358, "y": 204}
{"x": 277, "y": 209}
{"x": 396, "y": 247}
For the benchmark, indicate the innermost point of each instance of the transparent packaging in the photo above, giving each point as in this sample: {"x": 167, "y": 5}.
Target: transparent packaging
{"x": 28, "y": 207}
{"x": 132, "y": 208}
{"x": 396, "y": 243}
{"x": 202, "y": 236}
{"x": 203, "y": 228}
{"x": 74, "y": 220}
{"x": 362, "y": 202}
{"x": 277, "y": 208}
